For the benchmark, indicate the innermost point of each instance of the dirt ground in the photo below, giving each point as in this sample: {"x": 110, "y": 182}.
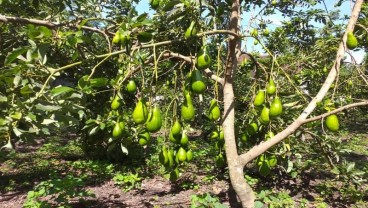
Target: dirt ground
{"x": 154, "y": 192}
{"x": 158, "y": 192}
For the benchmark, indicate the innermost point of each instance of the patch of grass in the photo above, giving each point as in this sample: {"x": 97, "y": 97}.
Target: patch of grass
{"x": 59, "y": 191}
{"x": 358, "y": 144}
{"x": 127, "y": 181}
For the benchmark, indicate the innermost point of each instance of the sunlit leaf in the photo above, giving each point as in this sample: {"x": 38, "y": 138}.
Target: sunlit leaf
{"x": 47, "y": 107}
{"x": 14, "y": 54}
{"x": 61, "y": 90}
{"x": 16, "y": 115}
{"x": 26, "y": 90}
{"x": 3, "y": 98}
{"x": 124, "y": 149}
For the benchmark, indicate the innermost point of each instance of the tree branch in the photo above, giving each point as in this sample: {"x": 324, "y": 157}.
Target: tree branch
{"x": 51, "y": 25}
{"x": 353, "y": 105}
{"x": 214, "y": 32}
{"x": 191, "y": 59}
{"x": 264, "y": 146}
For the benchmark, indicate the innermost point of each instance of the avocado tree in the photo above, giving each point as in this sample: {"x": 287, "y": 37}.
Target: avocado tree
{"x": 101, "y": 68}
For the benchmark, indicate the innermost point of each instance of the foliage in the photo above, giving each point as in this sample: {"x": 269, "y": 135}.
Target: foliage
{"x": 274, "y": 200}
{"x": 206, "y": 200}
{"x": 127, "y": 181}
{"x": 60, "y": 190}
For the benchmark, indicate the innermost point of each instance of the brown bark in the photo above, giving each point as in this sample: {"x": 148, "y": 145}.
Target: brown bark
{"x": 237, "y": 162}
{"x": 242, "y": 189}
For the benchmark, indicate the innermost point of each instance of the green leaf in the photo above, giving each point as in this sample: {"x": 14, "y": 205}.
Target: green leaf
{"x": 99, "y": 82}
{"x": 75, "y": 55}
{"x": 16, "y": 115}
{"x": 17, "y": 132}
{"x": 31, "y": 117}
{"x": 42, "y": 53}
{"x": 170, "y": 5}
{"x": 69, "y": 120}
{"x": 124, "y": 149}
{"x": 3, "y": 98}
{"x": 350, "y": 167}
{"x": 141, "y": 17}
{"x": 48, "y": 121}
{"x": 47, "y": 107}
{"x": 83, "y": 22}
{"x": 45, "y": 31}
{"x": 14, "y": 54}
{"x": 94, "y": 130}
{"x": 290, "y": 166}
{"x": 16, "y": 80}
{"x": 3, "y": 122}
{"x": 335, "y": 171}
{"x": 61, "y": 90}
{"x": 26, "y": 90}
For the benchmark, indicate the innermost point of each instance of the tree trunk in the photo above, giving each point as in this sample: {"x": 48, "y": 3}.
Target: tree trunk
{"x": 242, "y": 189}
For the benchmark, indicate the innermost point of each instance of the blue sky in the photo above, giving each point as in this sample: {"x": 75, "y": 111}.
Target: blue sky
{"x": 345, "y": 9}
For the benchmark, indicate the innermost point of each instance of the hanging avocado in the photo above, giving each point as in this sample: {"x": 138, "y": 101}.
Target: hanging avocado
{"x": 140, "y": 112}
{"x": 184, "y": 139}
{"x": 197, "y": 82}
{"x": 214, "y": 134}
{"x": 117, "y": 131}
{"x": 174, "y": 138}
{"x": 214, "y": 111}
{"x": 187, "y": 109}
{"x": 260, "y": 98}
{"x": 271, "y": 88}
{"x": 269, "y": 135}
{"x": 115, "y": 104}
{"x": 144, "y": 138}
{"x": 254, "y": 32}
{"x": 170, "y": 155}
{"x": 189, "y": 155}
{"x": 191, "y": 30}
{"x": 252, "y": 129}
{"x": 181, "y": 154}
{"x": 154, "y": 3}
{"x": 332, "y": 123}
{"x": 351, "y": 41}
{"x": 276, "y": 107}
{"x": 265, "y": 115}
{"x": 203, "y": 59}
{"x": 116, "y": 38}
{"x": 154, "y": 121}
{"x": 131, "y": 87}
{"x": 176, "y": 128}
{"x": 266, "y": 32}
{"x": 163, "y": 156}
{"x": 244, "y": 137}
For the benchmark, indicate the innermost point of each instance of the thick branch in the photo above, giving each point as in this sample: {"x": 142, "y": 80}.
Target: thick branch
{"x": 236, "y": 172}
{"x": 51, "y": 25}
{"x": 261, "y": 148}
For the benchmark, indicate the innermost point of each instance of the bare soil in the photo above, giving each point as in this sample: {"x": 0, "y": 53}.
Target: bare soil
{"x": 157, "y": 191}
